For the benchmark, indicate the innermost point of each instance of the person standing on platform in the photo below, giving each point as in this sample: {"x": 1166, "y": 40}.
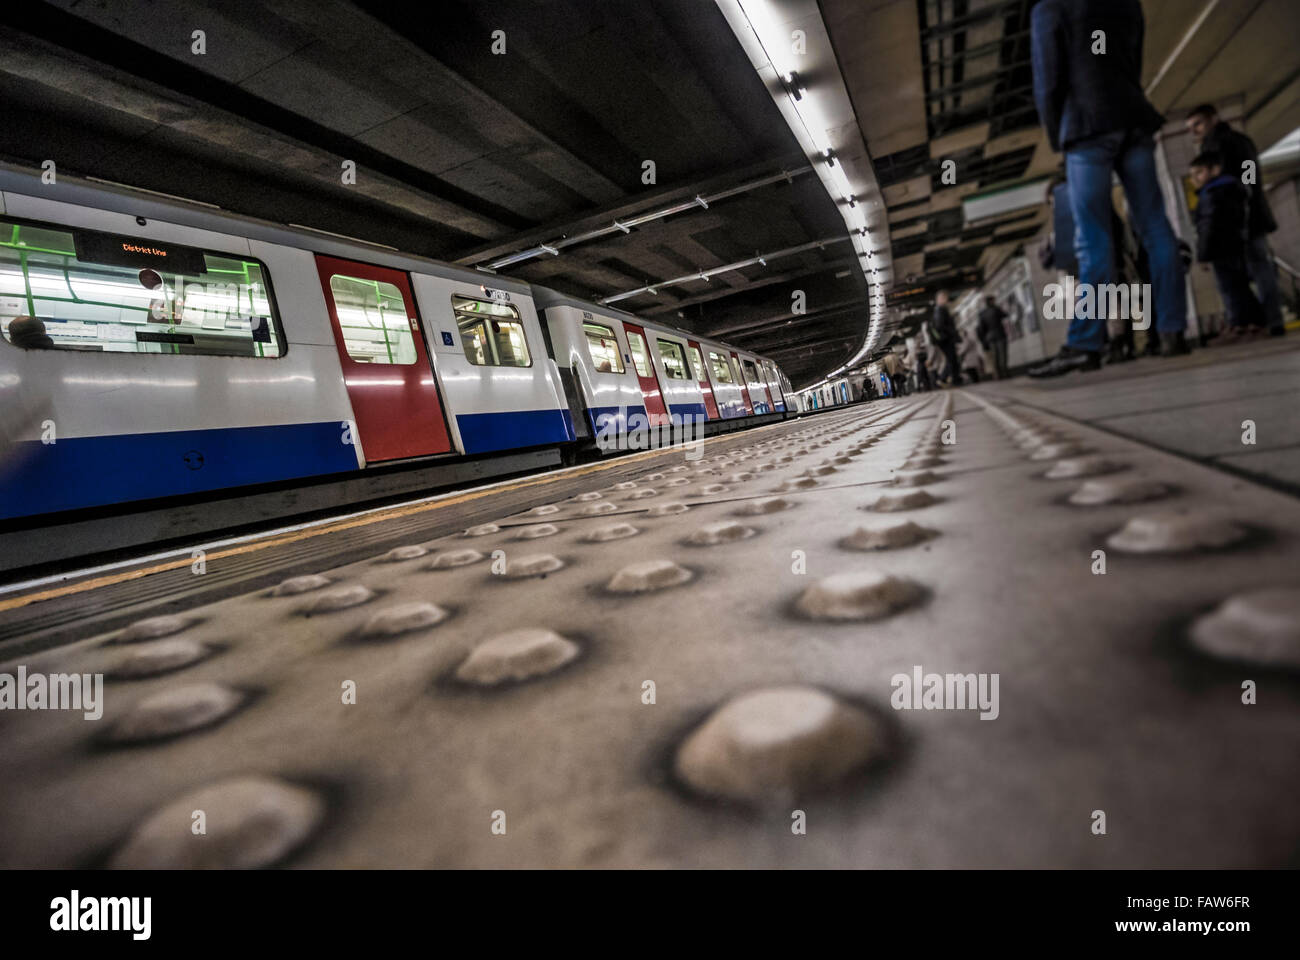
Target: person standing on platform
{"x": 1240, "y": 157}
{"x": 943, "y": 332}
{"x": 991, "y": 331}
{"x": 1087, "y": 65}
{"x": 918, "y": 358}
{"x": 1221, "y": 212}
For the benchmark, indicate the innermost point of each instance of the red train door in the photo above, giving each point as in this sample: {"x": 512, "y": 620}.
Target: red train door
{"x": 697, "y": 358}
{"x": 645, "y": 373}
{"x": 740, "y": 379}
{"x": 385, "y": 363}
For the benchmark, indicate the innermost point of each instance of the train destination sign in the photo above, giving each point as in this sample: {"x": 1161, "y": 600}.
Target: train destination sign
{"x": 94, "y": 247}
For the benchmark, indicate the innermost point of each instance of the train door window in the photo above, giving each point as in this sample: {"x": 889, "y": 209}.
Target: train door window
{"x": 674, "y": 360}
{"x": 735, "y": 369}
{"x": 640, "y": 355}
{"x": 606, "y": 357}
{"x": 751, "y": 373}
{"x": 721, "y": 369}
{"x": 697, "y": 362}
{"x": 491, "y": 332}
{"x": 769, "y": 372}
{"x": 372, "y": 315}
{"x": 84, "y": 290}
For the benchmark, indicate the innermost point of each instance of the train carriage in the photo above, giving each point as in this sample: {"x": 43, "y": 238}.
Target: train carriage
{"x": 590, "y": 348}
{"x": 154, "y": 348}
{"x": 728, "y": 392}
{"x": 681, "y": 388}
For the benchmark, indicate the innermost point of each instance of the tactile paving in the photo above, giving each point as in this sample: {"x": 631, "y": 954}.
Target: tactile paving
{"x": 693, "y": 656}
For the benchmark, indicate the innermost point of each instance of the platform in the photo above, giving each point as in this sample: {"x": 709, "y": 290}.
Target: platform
{"x": 1195, "y": 405}
{"x": 1118, "y": 692}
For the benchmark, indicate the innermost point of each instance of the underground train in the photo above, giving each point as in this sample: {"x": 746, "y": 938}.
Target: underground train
{"x": 289, "y": 354}
{"x": 832, "y": 394}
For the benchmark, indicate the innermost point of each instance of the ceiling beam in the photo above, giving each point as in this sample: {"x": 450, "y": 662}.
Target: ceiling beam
{"x": 706, "y": 274}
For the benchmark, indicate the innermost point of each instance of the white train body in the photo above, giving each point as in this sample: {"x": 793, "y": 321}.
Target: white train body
{"x": 154, "y": 348}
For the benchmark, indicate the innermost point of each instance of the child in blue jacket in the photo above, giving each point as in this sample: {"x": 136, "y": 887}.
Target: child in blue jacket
{"x": 1221, "y": 210}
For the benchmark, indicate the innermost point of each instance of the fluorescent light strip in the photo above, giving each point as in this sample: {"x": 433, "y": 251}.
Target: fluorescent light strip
{"x": 830, "y": 171}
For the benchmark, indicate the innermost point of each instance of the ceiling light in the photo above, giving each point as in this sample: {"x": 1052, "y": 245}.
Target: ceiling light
{"x": 793, "y": 84}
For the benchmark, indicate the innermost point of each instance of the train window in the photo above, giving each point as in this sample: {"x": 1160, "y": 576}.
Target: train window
{"x": 751, "y": 373}
{"x": 640, "y": 355}
{"x": 721, "y": 371}
{"x": 735, "y": 371}
{"x": 372, "y": 315}
{"x": 697, "y": 362}
{"x": 606, "y": 357}
{"x": 84, "y": 290}
{"x": 491, "y": 332}
{"x": 674, "y": 360}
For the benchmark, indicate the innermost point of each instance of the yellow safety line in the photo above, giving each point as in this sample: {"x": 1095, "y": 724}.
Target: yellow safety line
{"x": 23, "y": 600}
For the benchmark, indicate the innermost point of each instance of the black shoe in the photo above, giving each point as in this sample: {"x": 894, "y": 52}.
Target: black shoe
{"x": 1118, "y": 352}
{"x": 1174, "y": 345}
{"x": 1277, "y": 331}
{"x": 1067, "y": 361}
{"x": 1153, "y": 347}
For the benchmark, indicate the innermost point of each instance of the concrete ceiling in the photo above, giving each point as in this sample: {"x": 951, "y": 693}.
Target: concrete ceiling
{"x": 461, "y": 154}
{"x": 1243, "y": 50}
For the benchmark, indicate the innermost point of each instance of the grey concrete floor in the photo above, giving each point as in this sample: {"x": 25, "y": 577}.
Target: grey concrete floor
{"x": 1105, "y": 704}
{"x": 1194, "y": 405}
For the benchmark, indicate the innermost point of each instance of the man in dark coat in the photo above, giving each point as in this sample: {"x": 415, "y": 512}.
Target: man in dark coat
{"x": 1087, "y": 63}
{"x": 943, "y": 331}
{"x": 1239, "y": 157}
{"x": 991, "y": 331}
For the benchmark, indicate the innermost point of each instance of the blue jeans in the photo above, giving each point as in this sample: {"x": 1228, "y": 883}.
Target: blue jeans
{"x": 1088, "y": 167}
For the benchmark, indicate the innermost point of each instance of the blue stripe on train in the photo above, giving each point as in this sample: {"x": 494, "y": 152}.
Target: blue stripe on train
{"x": 689, "y": 410}
{"x": 484, "y": 432}
{"x": 613, "y": 419}
{"x": 77, "y": 472}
